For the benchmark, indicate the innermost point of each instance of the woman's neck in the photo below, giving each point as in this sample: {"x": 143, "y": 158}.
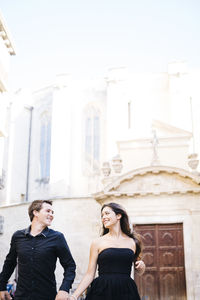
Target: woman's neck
{"x": 115, "y": 232}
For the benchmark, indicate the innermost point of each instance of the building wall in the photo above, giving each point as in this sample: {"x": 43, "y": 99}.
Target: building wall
{"x": 71, "y": 182}
{"x": 122, "y": 96}
{"x": 6, "y": 49}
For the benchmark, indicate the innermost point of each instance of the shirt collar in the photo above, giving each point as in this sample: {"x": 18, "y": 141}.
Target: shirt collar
{"x": 44, "y": 231}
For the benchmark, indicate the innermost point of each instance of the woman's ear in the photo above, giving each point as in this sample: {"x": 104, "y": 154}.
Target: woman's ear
{"x": 119, "y": 216}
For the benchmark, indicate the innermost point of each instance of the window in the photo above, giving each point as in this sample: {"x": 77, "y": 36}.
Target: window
{"x": 45, "y": 147}
{"x": 92, "y": 139}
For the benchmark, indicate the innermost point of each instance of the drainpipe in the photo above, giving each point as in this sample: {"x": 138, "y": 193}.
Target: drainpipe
{"x": 30, "y": 108}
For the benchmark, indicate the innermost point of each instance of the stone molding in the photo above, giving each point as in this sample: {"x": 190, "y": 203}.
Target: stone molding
{"x": 152, "y": 180}
{"x": 5, "y": 35}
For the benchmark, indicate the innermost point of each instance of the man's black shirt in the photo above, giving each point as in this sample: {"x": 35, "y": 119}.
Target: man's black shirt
{"x": 36, "y": 258}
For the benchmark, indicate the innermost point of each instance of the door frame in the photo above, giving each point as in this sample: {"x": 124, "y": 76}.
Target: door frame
{"x": 186, "y": 220}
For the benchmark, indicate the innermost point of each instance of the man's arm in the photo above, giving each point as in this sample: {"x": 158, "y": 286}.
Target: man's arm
{"x": 67, "y": 263}
{"x": 8, "y": 267}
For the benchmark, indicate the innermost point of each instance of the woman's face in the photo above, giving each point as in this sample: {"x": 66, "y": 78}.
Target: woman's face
{"x": 108, "y": 217}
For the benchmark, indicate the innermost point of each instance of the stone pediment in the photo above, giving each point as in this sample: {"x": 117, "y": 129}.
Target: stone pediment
{"x": 152, "y": 180}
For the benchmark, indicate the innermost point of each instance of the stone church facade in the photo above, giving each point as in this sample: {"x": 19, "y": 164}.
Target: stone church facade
{"x": 129, "y": 138}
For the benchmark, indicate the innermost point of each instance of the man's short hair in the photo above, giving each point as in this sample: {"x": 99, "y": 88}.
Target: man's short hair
{"x": 36, "y": 205}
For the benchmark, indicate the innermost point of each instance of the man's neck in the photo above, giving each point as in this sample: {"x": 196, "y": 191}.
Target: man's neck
{"x": 36, "y": 228}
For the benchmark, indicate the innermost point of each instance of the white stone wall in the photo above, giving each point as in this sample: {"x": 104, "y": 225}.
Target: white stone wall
{"x": 150, "y": 96}
{"x": 76, "y": 214}
{"x": 16, "y": 150}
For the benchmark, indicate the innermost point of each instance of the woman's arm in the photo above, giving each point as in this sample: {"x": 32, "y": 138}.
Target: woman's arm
{"x": 89, "y": 275}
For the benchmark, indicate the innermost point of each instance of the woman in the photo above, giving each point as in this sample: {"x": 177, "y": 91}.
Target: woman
{"x": 114, "y": 253}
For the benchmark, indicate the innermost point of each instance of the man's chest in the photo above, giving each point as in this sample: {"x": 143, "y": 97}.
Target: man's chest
{"x": 35, "y": 249}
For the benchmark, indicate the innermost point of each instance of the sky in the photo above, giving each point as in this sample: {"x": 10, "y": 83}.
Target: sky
{"x": 86, "y": 37}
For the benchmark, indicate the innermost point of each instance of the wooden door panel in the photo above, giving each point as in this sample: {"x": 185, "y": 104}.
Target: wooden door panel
{"x": 180, "y": 259}
{"x": 168, "y": 257}
{"x": 166, "y": 238}
{"x": 150, "y": 258}
{"x": 148, "y": 286}
{"x": 163, "y": 254}
{"x": 148, "y": 237}
{"x": 168, "y": 284}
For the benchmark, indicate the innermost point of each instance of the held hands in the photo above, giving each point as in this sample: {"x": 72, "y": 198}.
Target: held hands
{"x": 140, "y": 267}
{"x": 62, "y": 295}
{"x": 72, "y": 297}
{"x": 4, "y": 295}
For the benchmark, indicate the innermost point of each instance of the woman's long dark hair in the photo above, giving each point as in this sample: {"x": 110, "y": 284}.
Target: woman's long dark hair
{"x": 125, "y": 226}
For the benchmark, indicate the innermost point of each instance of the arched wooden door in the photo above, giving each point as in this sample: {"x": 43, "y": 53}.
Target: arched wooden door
{"x": 163, "y": 254}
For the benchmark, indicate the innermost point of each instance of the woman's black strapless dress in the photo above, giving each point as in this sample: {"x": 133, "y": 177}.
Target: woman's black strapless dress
{"x": 114, "y": 281}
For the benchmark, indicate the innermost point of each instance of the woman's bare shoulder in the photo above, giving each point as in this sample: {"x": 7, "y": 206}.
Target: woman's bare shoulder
{"x": 131, "y": 243}
{"x": 96, "y": 243}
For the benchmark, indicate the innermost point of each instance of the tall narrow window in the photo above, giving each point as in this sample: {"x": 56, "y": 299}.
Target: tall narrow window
{"x": 92, "y": 139}
{"x": 45, "y": 148}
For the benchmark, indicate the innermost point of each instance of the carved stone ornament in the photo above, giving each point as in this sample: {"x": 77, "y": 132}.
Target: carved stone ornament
{"x": 193, "y": 161}
{"x": 117, "y": 164}
{"x": 106, "y": 169}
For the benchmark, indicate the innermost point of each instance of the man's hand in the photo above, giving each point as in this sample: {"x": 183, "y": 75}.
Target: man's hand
{"x": 4, "y": 295}
{"x": 62, "y": 295}
{"x": 140, "y": 267}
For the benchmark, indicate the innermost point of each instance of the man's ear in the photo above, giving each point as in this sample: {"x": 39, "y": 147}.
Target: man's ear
{"x": 35, "y": 213}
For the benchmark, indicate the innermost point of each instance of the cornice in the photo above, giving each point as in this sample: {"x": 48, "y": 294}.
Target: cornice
{"x": 5, "y": 35}
{"x": 110, "y": 189}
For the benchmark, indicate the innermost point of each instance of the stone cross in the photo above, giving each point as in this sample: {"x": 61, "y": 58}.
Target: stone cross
{"x": 155, "y": 142}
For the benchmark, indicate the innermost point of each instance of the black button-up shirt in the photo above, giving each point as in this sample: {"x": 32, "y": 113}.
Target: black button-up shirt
{"x": 36, "y": 258}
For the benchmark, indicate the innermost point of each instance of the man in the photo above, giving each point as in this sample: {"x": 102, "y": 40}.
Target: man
{"x": 36, "y": 250}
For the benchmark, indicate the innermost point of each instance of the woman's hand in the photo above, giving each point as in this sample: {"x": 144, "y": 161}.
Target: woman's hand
{"x": 140, "y": 267}
{"x": 71, "y": 297}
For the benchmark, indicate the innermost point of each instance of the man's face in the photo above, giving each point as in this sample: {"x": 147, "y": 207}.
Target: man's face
{"x": 45, "y": 215}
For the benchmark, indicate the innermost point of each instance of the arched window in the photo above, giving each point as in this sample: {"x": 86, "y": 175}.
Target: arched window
{"x": 45, "y": 147}
{"x": 92, "y": 139}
